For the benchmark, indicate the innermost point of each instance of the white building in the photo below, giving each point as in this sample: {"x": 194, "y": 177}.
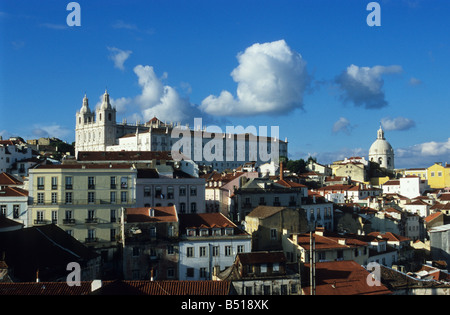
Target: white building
{"x": 98, "y": 131}
{"x": 12, "y": 151}
{"x": 155, "y": 188}
{"x": 382, "y": 152}
{"x": 409, "y": 186}
{"x": 208, "y": 241}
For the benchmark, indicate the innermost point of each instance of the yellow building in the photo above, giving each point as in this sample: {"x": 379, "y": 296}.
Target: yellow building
{"x": 421, "y": 172}
{"x": 85, "y": 200}
{"x": 438, "y": 175}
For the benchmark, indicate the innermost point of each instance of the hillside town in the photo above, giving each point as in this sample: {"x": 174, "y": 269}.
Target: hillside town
{"x": 137, "y": 220}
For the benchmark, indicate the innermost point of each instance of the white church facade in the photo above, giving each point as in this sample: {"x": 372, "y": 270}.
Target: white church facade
{"x": 98, "y": 130}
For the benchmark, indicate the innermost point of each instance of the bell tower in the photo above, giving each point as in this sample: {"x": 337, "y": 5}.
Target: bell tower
{"x": 106, "y": 123}
{"x": 85, "y": 120}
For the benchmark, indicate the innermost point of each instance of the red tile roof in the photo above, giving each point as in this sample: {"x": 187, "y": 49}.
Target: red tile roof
{"x": 7, "y": 179}
{"x": 343, "y": 278}
{"x": 433, "y": 216}
{"x": 161, "y": 214}
{"x": 13, "y": 192}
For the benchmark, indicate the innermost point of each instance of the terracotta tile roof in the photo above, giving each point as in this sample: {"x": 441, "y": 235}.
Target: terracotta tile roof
{"x": 343, "y": 278}
{"x": 85, "y": 166}
{"x": 161, "y": 214}
{"x": 13, "y": 192}
{"x": 417, "y": 203}
{"x": 44, "y": 288}
{"x": 207, "y": 220}
{"x": 119, "y": 287}
{"x": 390, "y": 237}
{"x": 7, "y": 179}
{"x": 329, "y": 241}
{"x": 290, "y": 184}
{"x": 433, "y": 216}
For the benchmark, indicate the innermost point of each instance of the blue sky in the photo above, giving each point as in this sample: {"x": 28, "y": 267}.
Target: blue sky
{"x": 313, "y": 68}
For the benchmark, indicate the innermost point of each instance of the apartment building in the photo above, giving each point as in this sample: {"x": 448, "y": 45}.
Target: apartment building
{"x": 84, "y": 200}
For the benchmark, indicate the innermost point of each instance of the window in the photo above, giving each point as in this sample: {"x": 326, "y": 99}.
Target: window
{"x": 215, "y": 251}
{"x": 40, "y": 198}
{"x": 112, "y": 182}
{"x": 190, "y": 252}
{"x": 112, "y": 196}
{"x": 91, "y": 197}
{"x": 91, "y": 182}
{"x": 69, "y": 184}
{"x": 147, "y": 191}
{"x": 54, "y": 182}
{"x": 193, "y": 191}
{"x": 276, "y": 267}
{"x": 54, "y": 198}
{"x": 228, "y": 251}
{"x": 123, "y": 182}
{"x": 182, "y": 190}
{"x": 248, "y": 290}
{"x": 90, "y": 215}
{"x": 439, "y": 174}
{"x": 170, "y": 231}
{"x": 182, "y": 207}
{"x": 203, "y": 251}
{"x": 432, "y": 174}
{"x": 158, "y": 192}
{"x": 190, "y": 272}
{"x": 263, "y": 268}
{"x": 170, "y": 250}
{"x": 40, "y": 216}
{"x": 68, "y": 198}
{"x": 262, "y": 201}
{"x": 3, "y": 210}
{"x": 240, "y": 248}
{"x": 193, "y": 207}
{"x": 203, "y": 272}
{"x": 112, "y": 215}
{"x": 40, "y": 183}
{"x": 273, "y": 234}
{"x": 170, "y": 273}
{"x": 170, "y": 192}
{"x": 112, "y": 235}
{"x": 123, "y": 196}
{"x": 16, "y": 211}
{"x": 152, "y": 231}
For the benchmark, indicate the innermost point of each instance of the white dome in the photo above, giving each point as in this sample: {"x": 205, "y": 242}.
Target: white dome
{"x": 381, "y": 151}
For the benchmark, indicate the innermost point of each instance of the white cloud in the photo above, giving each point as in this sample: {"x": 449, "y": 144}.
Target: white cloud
{"x": 399, "y": 123}
{"x": 271, "y": 78}
{"x": 343, "y": 124}
{"x": 423, "y": 154}
{"x": 49, "y": 131}
{"x": 162, "y": 101}
{"x": 363, "y": 86}
{"x": 119, "y": 56}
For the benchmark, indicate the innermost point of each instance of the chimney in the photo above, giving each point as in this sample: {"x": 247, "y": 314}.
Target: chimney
{"x": 319, "y": 231}
{"x": 151, "y": 275}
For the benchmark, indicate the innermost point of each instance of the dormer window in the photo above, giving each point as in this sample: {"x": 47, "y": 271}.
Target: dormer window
{"x": 217, "y": 232}
{"x": 190, "y": 232}
{"x": 204, "y": 232}
{"x": 229, "y": 231}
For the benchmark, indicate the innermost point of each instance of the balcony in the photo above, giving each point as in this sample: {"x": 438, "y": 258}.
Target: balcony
{"x": 91, "y": 221}
{"x": 40, "y": 222}
{"x": 68, "y": 221}
{"x": 91, "y": 186}
{"x": 90, "y": 240}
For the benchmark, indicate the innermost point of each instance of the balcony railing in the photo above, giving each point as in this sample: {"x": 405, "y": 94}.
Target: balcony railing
{"x": 69, "y": 221}
{"x": 83, "y": 202}
{"x": 90, "y": 240}
{"x": 91, "y": 221}
{"x": 40, "y": 222}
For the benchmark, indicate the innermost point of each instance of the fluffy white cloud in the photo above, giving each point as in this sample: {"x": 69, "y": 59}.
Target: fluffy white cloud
{"x": 343, "y": 124}
{"x": 161, "y": 100}
{"x": 119, "y": 56}
{"x": 423, "y": 154}
{"x": 399, "y": 123}
{"x": 363, "y": 86}
{"x": 271, "y": 79}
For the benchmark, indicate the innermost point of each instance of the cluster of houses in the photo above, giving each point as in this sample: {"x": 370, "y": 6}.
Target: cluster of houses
{"x": 257, "y": 229}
